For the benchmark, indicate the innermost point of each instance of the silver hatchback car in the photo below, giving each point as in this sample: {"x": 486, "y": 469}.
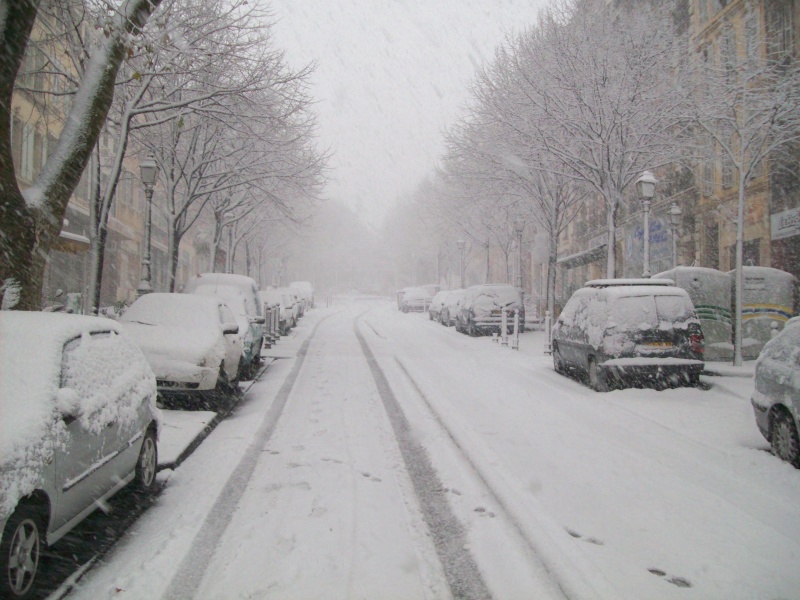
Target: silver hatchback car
{"x": 776, "y": 397}
{"x": 79, "y": 423}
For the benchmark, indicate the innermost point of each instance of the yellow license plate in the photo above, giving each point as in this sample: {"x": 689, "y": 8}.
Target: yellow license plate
{"x": 659, "y": 344}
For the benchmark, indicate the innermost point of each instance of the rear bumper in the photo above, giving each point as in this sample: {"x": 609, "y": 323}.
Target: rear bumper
{"x": 653, "y": 368}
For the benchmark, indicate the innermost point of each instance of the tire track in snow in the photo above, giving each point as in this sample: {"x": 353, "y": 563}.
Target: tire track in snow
{"x": 190, "y": 573}
{"x": 447, "y": 532}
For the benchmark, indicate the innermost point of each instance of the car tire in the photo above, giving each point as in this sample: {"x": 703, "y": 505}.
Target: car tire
{"x": 784, "y": 439}
{"x": 597, "y": 379}
{"x": 23, "y": 539}
{"x": 147, "y": 464}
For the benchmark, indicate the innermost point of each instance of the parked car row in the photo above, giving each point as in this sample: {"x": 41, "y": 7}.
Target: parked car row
{"x": 78, "y": 395}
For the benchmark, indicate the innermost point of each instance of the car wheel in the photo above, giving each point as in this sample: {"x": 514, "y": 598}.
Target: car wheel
{"x": 784, "y": 439}
{"x": 147, "y": 465}
{"x": 20, "y": 552}
{"x": 597, "y": 379}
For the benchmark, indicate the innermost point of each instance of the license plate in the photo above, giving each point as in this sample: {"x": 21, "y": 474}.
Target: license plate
{"x": 658, "y": 344}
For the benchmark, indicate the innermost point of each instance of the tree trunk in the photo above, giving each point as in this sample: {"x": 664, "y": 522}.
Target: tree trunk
{"x": 739, "y": 287}
{"x": 96, "y": 262}
{"x": 611, "y": 253}
{"x": 488, "y": 265}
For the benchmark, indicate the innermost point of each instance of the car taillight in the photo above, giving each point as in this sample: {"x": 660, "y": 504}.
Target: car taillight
{"x": 697, "y": 342}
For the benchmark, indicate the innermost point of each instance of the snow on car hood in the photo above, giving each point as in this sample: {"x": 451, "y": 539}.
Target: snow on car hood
{"x": 165, "y": 344}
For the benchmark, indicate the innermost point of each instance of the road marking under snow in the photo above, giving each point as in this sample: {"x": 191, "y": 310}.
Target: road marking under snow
{"x": 189, "y": 575}
{"x": 447, "y": 532}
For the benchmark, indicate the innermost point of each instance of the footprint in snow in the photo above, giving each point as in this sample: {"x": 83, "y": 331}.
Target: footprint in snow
{"x": 579, "y": 536}
{"x": 678, "y": 581}
{"x": 484, "y": 513}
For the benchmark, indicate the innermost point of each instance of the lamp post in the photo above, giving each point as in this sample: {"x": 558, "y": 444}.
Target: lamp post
{"x": 519, "y": 227}
{"x": 148, "y": 171}
{"x": 646, "y": 186}
{"x": 675, "y": 213}
{"x": 461, "y": 261}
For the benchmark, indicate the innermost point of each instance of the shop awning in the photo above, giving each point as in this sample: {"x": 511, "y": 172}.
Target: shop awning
{"x": 72, "y": 243}
{"x": 582, "y": 258}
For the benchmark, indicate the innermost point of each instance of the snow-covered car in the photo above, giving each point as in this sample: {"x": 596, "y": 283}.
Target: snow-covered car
{"x": 624, "y": 332}
{"x": 481, "y": 309}
{"x": 79, "y": 422}
{"x": 191, "y": 341}
{"x": 415, "y": 300}
{"x": 436, "y": 305}
{"x": 306, "y": 292}
{"x": 247, "y": 368}
{"x": 227, "y": 285}
{"x": 447, "y": 316}
{"x": 776, "y": 397}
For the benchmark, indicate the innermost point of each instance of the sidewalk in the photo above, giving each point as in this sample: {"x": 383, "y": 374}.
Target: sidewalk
{"x": 726, "y": 369}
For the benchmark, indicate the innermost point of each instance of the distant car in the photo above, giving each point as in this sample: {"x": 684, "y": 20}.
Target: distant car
{"x": 306, "y": 291}
{"x": 292, "y": 304}
{"x": 480, "y": 311}
{"x": 447, "y": 315}
{"x": 226, "y": 285}
{"x": 629, "y": 331}
{"x": 436, "y": 305}
{"x": 776, "y": 397}
{"x": 79, "y": 423}
{"x": 415, "y": 300}
{"x": 191, "y": 342}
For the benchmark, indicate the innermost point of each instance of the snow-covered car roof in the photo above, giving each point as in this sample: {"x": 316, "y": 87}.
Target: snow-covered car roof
{"x": 601, "y": 283}
{"x": 416, "y": 293}
{"x": 242, "y": 282}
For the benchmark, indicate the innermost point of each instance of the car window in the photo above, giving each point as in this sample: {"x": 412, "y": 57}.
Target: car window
{"x": 673, "y": 308}
{"x": 226, "y": 315}
{"x": 103, "y": 372}
{"x": 633, "y": 312}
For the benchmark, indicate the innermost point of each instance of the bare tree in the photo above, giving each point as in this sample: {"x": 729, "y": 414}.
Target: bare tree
{"x": 748, "y": 108}
{"x": 32, "y": 219}
{"x": 601, "y": 90}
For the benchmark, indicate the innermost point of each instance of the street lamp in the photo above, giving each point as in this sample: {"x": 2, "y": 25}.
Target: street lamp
{"x": 461, "y": 260}
{"x": 148, "y": 171}
{"x": 646, "y": 186}
{"x": 519, "y": 227}
{"x": 675, "y": 213}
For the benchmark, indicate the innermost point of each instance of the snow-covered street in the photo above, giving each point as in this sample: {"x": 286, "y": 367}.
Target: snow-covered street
{"x": 390, "y": 457}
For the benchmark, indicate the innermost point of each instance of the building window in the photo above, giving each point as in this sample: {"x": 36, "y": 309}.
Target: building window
{"x": 712, "y": 246}
{"x": 751, "y": 33}
{"x": 751, "y": 253}
{"x": 702, "y": 11}
{"x": 779, "y": 27}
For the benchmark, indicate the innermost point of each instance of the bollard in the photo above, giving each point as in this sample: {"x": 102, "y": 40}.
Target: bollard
{"x": 267, "y": 323}
{"x": 548, "y": 333}
{"x": 515, "y": 339}
{"x": 504, "y": 328}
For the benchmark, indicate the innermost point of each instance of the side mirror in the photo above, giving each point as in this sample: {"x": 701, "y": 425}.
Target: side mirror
{"x": 258, "y": 320}
{"x": 230, "y": 328}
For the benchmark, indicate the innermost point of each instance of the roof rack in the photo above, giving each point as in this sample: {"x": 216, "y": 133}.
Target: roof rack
{"x": 601, "y": 283}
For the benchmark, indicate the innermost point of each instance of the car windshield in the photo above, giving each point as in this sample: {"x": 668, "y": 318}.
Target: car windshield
{"x": 170, "y": 310}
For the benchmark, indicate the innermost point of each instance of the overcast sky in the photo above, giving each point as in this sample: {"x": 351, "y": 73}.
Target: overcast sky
{"x": 391, "y": 75}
